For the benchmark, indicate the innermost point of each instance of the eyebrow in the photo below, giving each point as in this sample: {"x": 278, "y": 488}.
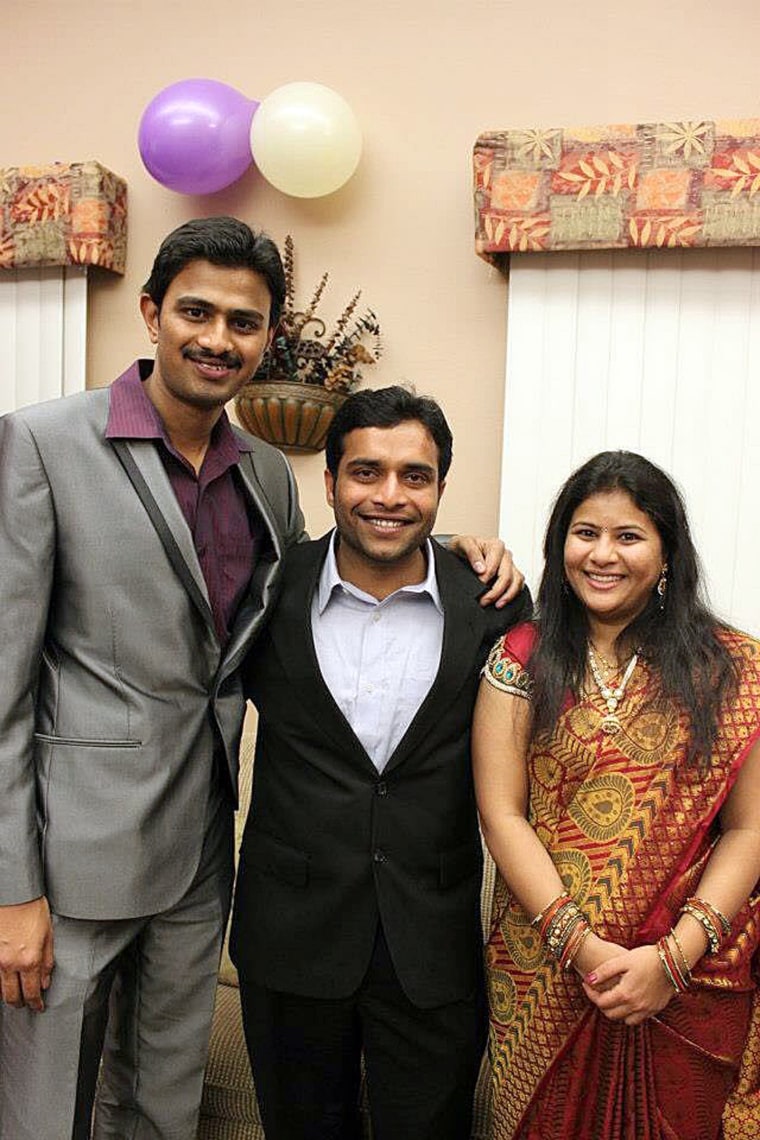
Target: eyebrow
{"x": 377, "y": 463}
{"x": 620, "y": 526}
{"x": 202, "y": 303}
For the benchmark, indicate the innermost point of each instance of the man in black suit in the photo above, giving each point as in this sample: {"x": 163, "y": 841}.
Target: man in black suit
{"x": 356, "y": 924}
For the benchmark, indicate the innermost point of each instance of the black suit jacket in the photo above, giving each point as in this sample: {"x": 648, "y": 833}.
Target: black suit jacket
{"x": 331, "y": 845}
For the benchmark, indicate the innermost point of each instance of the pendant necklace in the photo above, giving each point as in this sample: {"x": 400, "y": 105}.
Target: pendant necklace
{"x": 612, "y": 695}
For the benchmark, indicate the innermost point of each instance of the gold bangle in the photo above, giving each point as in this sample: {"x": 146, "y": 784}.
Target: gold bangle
{"x": 575, "y": 950}
{"x": 681, "y": 968}
{"x": 684, "y": 963}
{"x": 543, "y": 913}
{"x": 669, "y": 966}
{"x": 708, "y": 919}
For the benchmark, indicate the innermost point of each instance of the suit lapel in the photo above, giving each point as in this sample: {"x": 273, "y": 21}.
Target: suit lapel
{"x": 293, "y": 641}
{"x": 255, "y": 489}
{"x": 258, "y": 595}
{"x": 462, "y": 635}
{"x": 148, "y": 462}
{"x": 149, "y": 465}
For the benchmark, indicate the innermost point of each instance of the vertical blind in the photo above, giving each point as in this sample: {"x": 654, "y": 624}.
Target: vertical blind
{"x": 43, "y": 330}
{"x": 655, "y": 352}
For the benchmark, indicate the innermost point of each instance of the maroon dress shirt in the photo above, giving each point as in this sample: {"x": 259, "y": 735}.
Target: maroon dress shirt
{"x": 225, "y": 531}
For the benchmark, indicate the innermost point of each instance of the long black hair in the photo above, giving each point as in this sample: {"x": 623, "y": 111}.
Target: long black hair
{"x": 676, "y": 633}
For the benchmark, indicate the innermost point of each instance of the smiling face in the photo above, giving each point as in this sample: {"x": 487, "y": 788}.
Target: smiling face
{"x": 385, "y": 497}
{"x": 210, "y": 334}
{"x": 613, "y": 558}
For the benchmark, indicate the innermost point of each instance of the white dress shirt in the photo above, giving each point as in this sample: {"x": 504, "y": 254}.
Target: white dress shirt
{"x": 378, "y": 658}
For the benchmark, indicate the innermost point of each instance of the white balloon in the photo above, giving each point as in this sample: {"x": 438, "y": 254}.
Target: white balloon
{"x": 306, "y": 140}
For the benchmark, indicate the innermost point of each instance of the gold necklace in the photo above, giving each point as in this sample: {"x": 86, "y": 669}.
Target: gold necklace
{"x": 612, "y": 695}
{"x": 610, "y": 666}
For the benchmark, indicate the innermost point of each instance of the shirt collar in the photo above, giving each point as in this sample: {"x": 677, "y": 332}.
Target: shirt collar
{"x": 330, "y": 580}
{"x": 131, "y": 415}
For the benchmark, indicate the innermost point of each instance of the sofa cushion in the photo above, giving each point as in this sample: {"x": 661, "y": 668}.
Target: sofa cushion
{"x": 228, "y": 1087}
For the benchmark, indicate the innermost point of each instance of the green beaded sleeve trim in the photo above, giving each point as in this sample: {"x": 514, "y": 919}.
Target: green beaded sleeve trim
{"x": 507, "y": 674}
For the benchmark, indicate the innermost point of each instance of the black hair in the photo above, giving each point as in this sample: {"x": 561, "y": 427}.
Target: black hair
{"x": 383, "y": 408}
{"x": 223, "y": 241}
{"x": 677, "y": 633}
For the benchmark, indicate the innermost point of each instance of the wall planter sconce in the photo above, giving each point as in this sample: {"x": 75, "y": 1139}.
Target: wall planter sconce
{"x": 306, "y": 375}
{"x": 288, "y": 414}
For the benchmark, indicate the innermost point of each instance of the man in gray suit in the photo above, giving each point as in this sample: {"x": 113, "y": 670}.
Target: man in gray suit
{"x": 140, "y": 541}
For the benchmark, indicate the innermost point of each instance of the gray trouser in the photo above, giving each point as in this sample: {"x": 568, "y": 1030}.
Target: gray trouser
{"x": 141, "y": 992}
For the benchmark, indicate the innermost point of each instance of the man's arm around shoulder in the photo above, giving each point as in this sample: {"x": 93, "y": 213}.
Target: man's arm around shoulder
{"x": 518, "y": 610}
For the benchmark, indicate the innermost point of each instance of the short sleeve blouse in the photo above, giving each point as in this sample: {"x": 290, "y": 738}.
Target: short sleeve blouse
{"x": 506, "y": 667}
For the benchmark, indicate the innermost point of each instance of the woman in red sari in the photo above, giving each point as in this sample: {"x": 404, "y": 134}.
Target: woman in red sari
{"x": 617, "y": 769}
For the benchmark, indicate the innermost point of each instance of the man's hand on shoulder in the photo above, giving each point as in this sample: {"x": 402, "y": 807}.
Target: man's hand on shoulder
{"x": 492, "y": 562}
{"x": 26, "y": 953}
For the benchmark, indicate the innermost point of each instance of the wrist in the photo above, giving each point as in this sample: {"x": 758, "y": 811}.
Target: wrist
{"x": 675, "y": 968}
{"x": 590, "y": 955}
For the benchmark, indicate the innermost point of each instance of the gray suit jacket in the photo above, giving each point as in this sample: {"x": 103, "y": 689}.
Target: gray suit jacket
{"x": 114, "y": 691}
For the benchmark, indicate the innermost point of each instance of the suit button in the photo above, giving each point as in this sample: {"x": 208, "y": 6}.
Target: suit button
{"x": 381, "y": 788}
{"x": 379, "y": 856}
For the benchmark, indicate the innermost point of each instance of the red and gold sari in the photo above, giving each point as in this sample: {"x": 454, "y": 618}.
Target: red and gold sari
{"x": 630, "y": 828}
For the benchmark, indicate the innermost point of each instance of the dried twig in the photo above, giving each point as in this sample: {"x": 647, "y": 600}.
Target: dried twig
{"x": 308, "y": 359}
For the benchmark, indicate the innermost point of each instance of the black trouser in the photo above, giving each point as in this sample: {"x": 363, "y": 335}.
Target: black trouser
{"x": 422, "y": 1064}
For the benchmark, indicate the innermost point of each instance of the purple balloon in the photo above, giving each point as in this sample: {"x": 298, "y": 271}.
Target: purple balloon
{"x": 195, "y": 136}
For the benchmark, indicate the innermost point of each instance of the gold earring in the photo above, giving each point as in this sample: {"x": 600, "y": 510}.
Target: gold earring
{"x": 662, "y": 584}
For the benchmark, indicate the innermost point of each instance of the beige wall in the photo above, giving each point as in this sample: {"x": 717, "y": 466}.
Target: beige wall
{"x": 424, "y": 78}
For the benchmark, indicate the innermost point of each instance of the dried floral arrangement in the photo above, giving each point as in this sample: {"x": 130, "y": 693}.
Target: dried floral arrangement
{"x": 303, "y": 353}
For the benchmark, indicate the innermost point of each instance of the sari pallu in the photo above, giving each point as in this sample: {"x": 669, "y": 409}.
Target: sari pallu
{"x": 630, "y": 828}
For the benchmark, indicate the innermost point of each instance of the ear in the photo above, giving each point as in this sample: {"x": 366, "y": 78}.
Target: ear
{"x": 329, "y": 488}
{"x": 441, "y": 489}
{"x": 150, "y": 314}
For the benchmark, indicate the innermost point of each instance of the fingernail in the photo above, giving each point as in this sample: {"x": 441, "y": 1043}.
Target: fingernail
{"x": 590, "y": 978}
{"x": 479, "y": 567}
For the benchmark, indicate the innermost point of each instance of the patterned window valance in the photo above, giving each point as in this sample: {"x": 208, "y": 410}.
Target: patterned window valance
{"x": 651, "y": 185}
{"x": 69, "y": 213}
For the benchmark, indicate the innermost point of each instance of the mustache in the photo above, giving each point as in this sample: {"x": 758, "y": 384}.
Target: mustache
{"x": 226, "y": 359}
